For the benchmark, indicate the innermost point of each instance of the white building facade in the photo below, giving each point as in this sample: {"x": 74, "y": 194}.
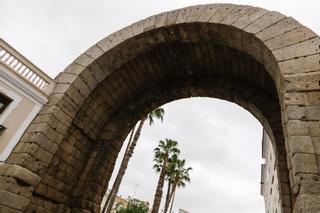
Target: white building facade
{"x": 24, "y": 89}
{"x": 269, "y": 177}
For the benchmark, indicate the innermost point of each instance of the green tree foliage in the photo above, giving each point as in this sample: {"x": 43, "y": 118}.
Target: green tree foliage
{"x": 134, "y": 206}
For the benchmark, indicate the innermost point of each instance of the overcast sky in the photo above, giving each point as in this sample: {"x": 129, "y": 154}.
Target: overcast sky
{"x": 220, "y": 140}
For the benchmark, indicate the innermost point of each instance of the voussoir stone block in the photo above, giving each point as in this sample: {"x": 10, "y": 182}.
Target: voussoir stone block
{"x": 88, "y": 79}
{"x": 16, "y": 186}
{"x": 66, "y": 78}
{"x": 116, "y": 38}
{"x": 298, "y": 127}
{"x": 127, "y": 32}
{"x": 12, "y": 200}
{"x": 302, "y": 82}
{"x": 99, "y": 72}
{"x": 221, "y": 13}
{"x": 294, "y": 98}
{"x": 305, "y": 48}
{"x": 277, "y": 29}
{"x": 83, "y": 60}
{"x": 23, "y": 174}
{"x": 301, "y": 65}
{"x": 75, "y": 96}
{"x": 296, "y": 112}
{"x": 301, "y": 144}
{"x": 307, "y": 203}
{"x": 314, "y": 127}
{"x": 170, "y": 19}
{"x": 82, "y": 87}
{"x": 61, "y": 88}
{"x": 53, "y": 121}
{"x": 137, "y": 28}
{"x": 184, "y": 14}
{"x": 61, "y": 106}
{"x": 208, "y": 12}
{"x": 304, "y": 163}
{"x": 264, "y": 21}
{"x": 252, "y": 15}
{"x": 195, "y": 13}
{"x": 74, "y": 68}
{"x": 47, "y": 130}
{"x": 289, "y": 38}
{"x": 160, "y": 20}
{"x": 313, "y": 113}
{"x": 316, "y": 143}
{"x": 94, "y": 51}
{"x": 43, "y": 155}
{"x": 105, "y": 44}
{"x": 4, "y": 209}
{"x": 148, "y": 24}
{"x": 235, "y": 14}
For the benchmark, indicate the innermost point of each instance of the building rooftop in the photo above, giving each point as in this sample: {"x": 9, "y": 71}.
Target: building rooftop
{"x": 23, "y": 69}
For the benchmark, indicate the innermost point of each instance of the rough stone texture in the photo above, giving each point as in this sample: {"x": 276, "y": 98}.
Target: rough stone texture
{"x": 308, "y": 203}
{"x": 261, "y": 60}
{"x": 22, "y": 174}
{"x": 12, "y": 200}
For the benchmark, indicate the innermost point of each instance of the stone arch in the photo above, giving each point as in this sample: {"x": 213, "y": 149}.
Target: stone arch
{"x": 264, "y": 61}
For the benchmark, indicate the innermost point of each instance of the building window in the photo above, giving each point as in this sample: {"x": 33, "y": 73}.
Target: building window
{"x": 4, "y": 102}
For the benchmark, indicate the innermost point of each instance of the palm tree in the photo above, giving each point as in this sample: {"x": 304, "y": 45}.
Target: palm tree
{"x": 172, "y": 162}
{"x": 157, "y": 113}
{"x": 180, "y": 177}
{"x": 166, "y": 205}
{"x": 165, "y": 150}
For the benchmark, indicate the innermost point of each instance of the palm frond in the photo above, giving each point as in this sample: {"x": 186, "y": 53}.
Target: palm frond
{"x": 157, "y": 113}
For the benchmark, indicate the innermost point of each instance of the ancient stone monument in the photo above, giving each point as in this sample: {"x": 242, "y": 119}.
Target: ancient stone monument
{"x": 262, "y": 60}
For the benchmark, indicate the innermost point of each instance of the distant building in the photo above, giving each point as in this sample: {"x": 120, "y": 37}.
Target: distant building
{"x": 120, "y": 201}
{"x": 269, "y": 177}
{"x": 24, "y": 89}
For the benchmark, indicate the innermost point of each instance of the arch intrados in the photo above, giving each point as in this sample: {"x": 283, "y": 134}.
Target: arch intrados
{"x": 116, "y": 54}
{"x": 126, "y": 118}
{"x": 219, "y": 88}
{"x": 176, "y": 68}
{"x": 112, "y": 52}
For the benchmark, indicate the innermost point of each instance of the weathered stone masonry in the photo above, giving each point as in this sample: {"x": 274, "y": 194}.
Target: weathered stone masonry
{"x": 262, "y": 60}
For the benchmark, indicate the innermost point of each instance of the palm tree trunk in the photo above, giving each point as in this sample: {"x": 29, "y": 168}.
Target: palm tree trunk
{"x": 109, "y": 195}
{"x": 172, "y": 192}
{"x": 166, "y": 205}
{"x": 123, "y": 166}
{"x": 158, "y": 194}
{"x": 173, "y": 195}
